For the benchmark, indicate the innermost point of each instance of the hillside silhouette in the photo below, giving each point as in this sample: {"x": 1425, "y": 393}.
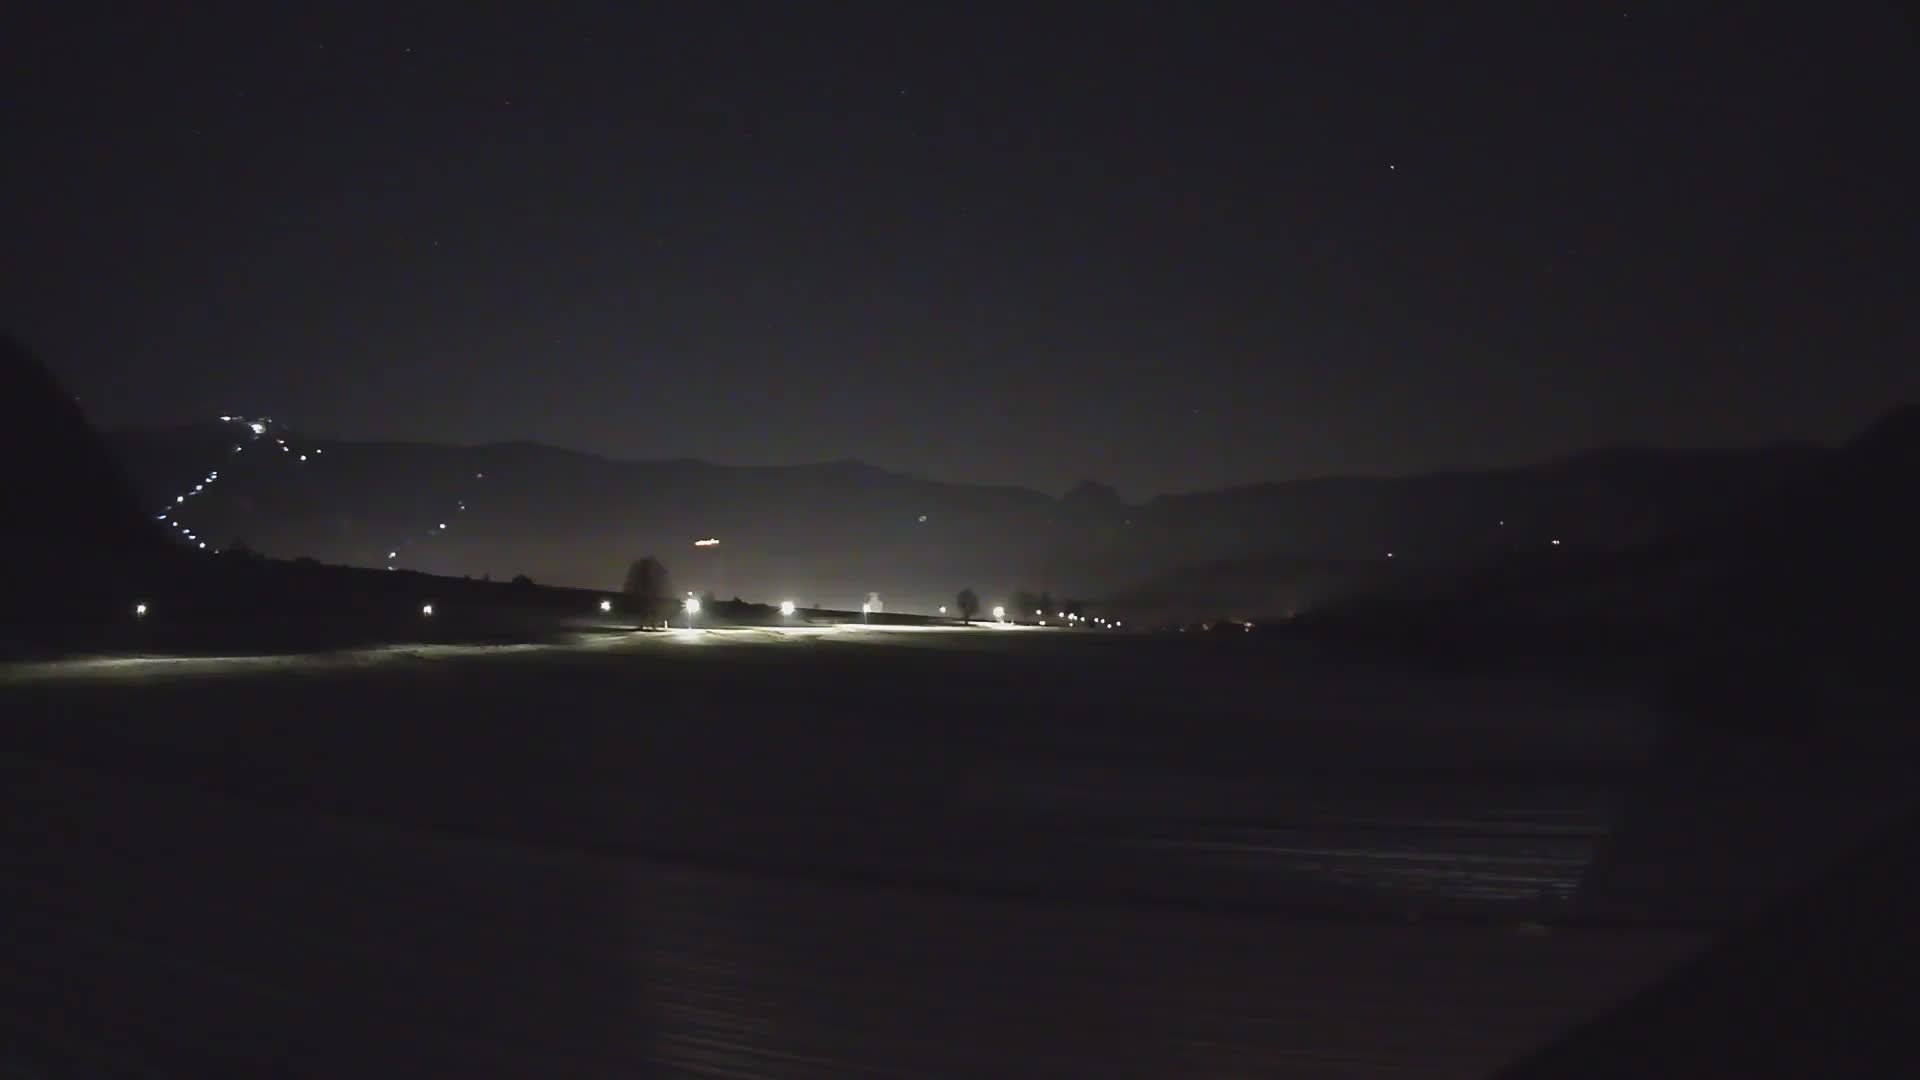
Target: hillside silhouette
{"x": 842, "y": 529}
{"x": 71, "y": 517}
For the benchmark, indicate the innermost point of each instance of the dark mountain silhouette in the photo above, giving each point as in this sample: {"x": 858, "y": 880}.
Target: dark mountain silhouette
{"x": 832, "y": 532}
{"x": 1815, "y": 556}
{"x": 70, "y": 515}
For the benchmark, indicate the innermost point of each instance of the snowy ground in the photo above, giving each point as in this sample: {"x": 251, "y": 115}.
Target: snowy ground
{"x": 829, "y": 852}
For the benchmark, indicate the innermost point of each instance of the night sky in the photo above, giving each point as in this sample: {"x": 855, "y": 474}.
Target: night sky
{"x": 1164, "y": 247}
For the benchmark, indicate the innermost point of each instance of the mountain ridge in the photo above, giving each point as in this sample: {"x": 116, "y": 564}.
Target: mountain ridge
{"x": 833, "y": 531}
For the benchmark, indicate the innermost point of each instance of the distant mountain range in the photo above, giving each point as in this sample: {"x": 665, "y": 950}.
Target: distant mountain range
{"x": 833, "y": 532}
{"x": 1812, "y": 574}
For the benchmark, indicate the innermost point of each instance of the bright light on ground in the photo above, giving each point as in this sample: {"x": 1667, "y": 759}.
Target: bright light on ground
{"x": 606, "y": 605}
{"x": 787, "y": 607}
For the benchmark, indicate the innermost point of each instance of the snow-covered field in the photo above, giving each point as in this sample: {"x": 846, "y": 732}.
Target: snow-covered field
{"x": 820, "y": 853}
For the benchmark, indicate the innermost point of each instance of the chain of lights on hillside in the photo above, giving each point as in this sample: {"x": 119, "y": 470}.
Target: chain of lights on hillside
{"x": 261, "y": 432}
{"x": 255, "y": 430}
{"x": 439, "y": 529}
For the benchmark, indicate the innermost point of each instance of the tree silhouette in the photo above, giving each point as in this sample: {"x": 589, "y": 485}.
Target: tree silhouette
{"x": 646, "y": 579}
{"x": 968, "y": 603}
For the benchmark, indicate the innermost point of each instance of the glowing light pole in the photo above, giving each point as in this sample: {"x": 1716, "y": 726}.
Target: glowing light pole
{"x": 999, "y": 613}
{"x": 606, "y": 606}
{"x": 692, "y": 608}
{"x": 787, "y": 608}
{"x": 865, "y": 610}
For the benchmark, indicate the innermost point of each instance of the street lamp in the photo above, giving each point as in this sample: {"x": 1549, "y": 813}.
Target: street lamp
{"x": 943, "y": 609}
{"x": 606, "y": 605}
{"x": 692, "y": 607}
{"x": 140, "y": 611}
{"x": 788, "y": 607}
{"x": 426, "y": 609}
{"x": 999, "y": 613}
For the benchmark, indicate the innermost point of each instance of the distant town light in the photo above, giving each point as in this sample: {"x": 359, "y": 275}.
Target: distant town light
{"x": 303, "y": 457}
{"x": 393, "y": 554}
{"x": 788, "y": 607}
{"x": 258, "y": 427}
{"x": 179, "y": 498}
{"x": 227, "y": 419}
{"x": 426, "y": 609}
{"x": 606, "y": 605}
{"x": 140, "y": 611}
{"x": 1556, "y": 543}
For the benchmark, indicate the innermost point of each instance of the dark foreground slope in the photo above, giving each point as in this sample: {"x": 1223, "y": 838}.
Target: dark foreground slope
{"x": 1821, "y": 987}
